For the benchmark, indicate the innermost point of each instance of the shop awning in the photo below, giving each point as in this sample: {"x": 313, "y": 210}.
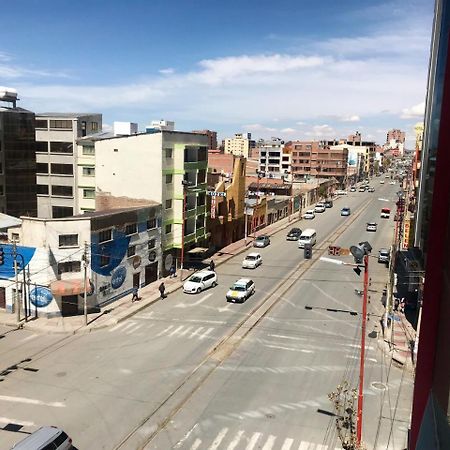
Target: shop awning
{"x": 69, "y": 287}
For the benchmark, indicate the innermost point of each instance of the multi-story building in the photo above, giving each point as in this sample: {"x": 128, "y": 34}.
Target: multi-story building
{"x": 240, "y": 145}
{"x": 17, "y": 158}
{"x": 212, "y": 138}
{"x": 275, "y": 159}
{"x": 417, "y": 157}
{"x": 56, "y": 160}
{"x": 319, "y": 159}
{"x": 396, "y": 136}
{"x": 168, "y": 167}
{"x": 160, "y": 125}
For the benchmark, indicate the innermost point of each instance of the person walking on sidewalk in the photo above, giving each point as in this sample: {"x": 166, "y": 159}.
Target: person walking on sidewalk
{"x": 172, "y": 271}
{"x": 135, "y": 296}
{"x": 162, "y": 290}
{"x": 212, "y": 265}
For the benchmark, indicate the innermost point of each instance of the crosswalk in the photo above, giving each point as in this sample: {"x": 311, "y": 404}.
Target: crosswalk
{"x": 242, "y": 440}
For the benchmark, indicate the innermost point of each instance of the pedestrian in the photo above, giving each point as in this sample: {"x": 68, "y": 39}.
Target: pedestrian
{"x": 396, "y": 303}
{"x": 402, "y": 306}
{"x": 135, "y": 296}
{"x": 172, "y": 271}
{"x": 212, "y": 265}
{"x": 162, "y": 290}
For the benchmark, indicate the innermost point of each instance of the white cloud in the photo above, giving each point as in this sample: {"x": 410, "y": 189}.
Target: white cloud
{"x": 415, "y": 111}
{"x": 258, "y": 127}
{"x": 353, "y": 118}
{"x": 168, "y": 71}
{"x": 288, "y": 130}
{"x": 321, "y": 131}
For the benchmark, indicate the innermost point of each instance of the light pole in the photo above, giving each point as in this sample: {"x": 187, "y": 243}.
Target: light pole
{"x": 185, "y": 184}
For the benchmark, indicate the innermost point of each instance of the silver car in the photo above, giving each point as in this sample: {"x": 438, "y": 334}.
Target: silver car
{"x": 261, "y": 241}
{"x": 252, "y": 261}
{"x": 241, "y": 290}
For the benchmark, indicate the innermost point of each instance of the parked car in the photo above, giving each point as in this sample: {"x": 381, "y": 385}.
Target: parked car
{"x": 392, "y": 182}
{"x": 261, "y": 241}
{"x": 252, "y": 261}
{"x": 371, "y": 226}
{"x": 381, "y": 181}
{"x": 309, "y": 214}
{"x": 200, "y": 281}
{"x": 319, "y": 208}
{"x": 385, "y": 213}
{"x": 362, "y": 189}
{"x": 371, "y": 189}
{"x": 345, "y": 211}
{"x": 241, "y": 290}
{"x": 353, "y": 189}
{"x": 45, "y": 438}
{"x": 328, "y": 203}
{"x": 294, "y": 234}
{"x": 384, "y": 255}
{"x": 340, "y": 192}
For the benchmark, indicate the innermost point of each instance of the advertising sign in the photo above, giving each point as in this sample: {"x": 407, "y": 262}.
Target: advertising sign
{"x": 41, "y": 297}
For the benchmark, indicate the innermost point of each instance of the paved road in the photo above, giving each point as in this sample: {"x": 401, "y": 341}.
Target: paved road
{"x": 196, "y": 372}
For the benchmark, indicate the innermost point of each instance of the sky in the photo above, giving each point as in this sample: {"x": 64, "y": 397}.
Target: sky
{"x": 294, "y": 69}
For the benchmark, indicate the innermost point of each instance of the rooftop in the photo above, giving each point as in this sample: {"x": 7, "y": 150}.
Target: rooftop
{"x": 67, "y": 115}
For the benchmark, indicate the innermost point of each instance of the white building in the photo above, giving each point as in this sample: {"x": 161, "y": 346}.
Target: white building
{"x": 274, "y": 160}
{"x": 160, "y": 125}
{"x": 240, "y": 145}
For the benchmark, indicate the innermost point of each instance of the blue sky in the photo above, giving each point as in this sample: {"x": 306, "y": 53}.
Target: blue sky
{"x": 295, "y": 69}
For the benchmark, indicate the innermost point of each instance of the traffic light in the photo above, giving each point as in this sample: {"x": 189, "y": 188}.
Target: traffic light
{"x": 2, "y": 256}
{"x": 308, "y": 251}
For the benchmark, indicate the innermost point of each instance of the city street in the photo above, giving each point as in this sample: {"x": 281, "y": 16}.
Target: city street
{"x": 196, "y": 372}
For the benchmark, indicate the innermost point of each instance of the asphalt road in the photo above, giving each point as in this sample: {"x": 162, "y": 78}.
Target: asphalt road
{"x": 194, "y": 371}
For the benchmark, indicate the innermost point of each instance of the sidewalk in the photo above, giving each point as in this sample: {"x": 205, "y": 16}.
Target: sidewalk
{"x": 122, "y": 309}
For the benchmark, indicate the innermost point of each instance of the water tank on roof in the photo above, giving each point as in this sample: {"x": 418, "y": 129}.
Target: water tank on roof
{"x": 8, "y": 94}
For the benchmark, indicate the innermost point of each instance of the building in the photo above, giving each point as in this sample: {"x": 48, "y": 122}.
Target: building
{"x": 160, "y": 125}
{"x": 418, "y": 128}
{"x": 125, "y": 128}
{"x": 275, "y": 159}
{"x": 122, "y": 248}
{"x": 212, "y": 138}
{"x": 431, "y": 405}
{"x": 168, "y": 167}
{"x": 17, "y": 159}
{"x": 396, "y": 136}
{"x": 240, "y": 145}
{"x": 56, "y": 160}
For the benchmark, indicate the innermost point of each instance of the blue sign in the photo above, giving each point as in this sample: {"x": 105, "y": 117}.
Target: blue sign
{"x": 41, "y": 297}
{"x": 118, "y": 277}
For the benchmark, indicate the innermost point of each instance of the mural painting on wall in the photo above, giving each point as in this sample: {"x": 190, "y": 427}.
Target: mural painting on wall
{"x": 7, "y": 268}
{"x": 41, "y": 297}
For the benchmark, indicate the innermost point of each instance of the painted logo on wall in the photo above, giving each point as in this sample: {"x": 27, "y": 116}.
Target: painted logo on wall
{"x": 41, "y": 297}
{"x": 118, "y": 277}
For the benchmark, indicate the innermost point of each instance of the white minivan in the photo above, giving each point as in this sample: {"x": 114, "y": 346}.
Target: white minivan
{"x": 308, "y": 236}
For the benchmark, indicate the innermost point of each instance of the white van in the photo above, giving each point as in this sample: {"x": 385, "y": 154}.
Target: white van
{"x": 307, "y": 237}
{"x": 45, "y": 438}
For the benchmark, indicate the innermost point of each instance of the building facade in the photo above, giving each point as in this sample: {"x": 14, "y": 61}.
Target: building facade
{"x": 240, "y": 145}
{"x": 212, "y": 138}
{"x": 275, "y": 159}
{"x": 56, "y": 160}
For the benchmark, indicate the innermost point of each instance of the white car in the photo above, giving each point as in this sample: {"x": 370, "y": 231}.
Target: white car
{"x": 381, "y": 181}
{"x": 319, "y": 208}
{"x": 392, "y": 182}
{"x": 309, "y": 214}
{"x": 340, "y": 192}
{"x": 241, "y": 290}
{"x": 371, "y": 226}
{"x": 252, "y": 261}
{"x": 200, "y": 281}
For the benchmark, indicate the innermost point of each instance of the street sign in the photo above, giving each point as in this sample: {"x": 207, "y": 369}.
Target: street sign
{"x": 216, "y": 194}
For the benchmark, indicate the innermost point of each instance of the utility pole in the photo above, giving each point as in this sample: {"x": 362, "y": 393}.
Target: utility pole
{"x": 183, "y": 219}
{"x": 16, "y": 276}
{"x": 85, "y": 264}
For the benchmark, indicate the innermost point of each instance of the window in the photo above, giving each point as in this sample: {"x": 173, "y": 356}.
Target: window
{"x": 69, "y": 266}
{"x": 131, "y": 250}
{"x": 62, "y": 169}
{"x": 41, "y": 123}
{"x": 89, "y": 171}
{"x": 151, "y": 223}
{"x": 2, "y": 189}
{"x": 59, "y": 212}
{"x": 168, "y": 152}
{"x": 105, "y": 235}
{"x": 15, "y": 237}
{"x": 61, "y": 147}
{"x": 94, "y": 126}
{"x": 131, "y": 228}
{"x": 201, "y": 176}
{"x": 169, "y": 204}
{"x": 88, "y": 150}
{"x": 151, "y": 244}
{"x": 104, "y": 260}
{"x": 64, "y": 124}
{"x": 169, "y": 179}
{"x": 42, "y": 189}
{"x": 42, "y": 146}
{"x": 169, "y": 228}
{"x": 88, "y": 193}
{"x": 116, "y": 149}
{"x": 64, "y": 191}
{"x": 41, "y": 167}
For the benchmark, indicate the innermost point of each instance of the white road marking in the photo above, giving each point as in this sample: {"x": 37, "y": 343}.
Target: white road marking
{"x": 304, "y": 445}
{"x": 186, "y": 436}
{"x": 357, "y": 357}
{"x": 131, "y": 330}
{"x": 224, "y": 308}
{"x": 176, "y": 330}
{"x": 147, "y": 315}
{"x": 236, "y": 440}
{"x": 21, "y": 422}
{"x": 253, "y": 441}
{"x": 279, "y": 347}
{"x": 287, "y": 444}
{"x": 196, "y": 444}
{"x": 186, "y": 331}
{"x": 118, "y": 326}
{"x": 287, "y": 337}
{"x": 196, "y": 332}
{"x": 28, "y": 338}
{"x": 31, "y": 401}
{"x": 269, "y": 443}
{"x": 165, "y": 330}
{"x": 205, "y": 334}
{"x": 198, "y": 302}
{"x": 218, "y": 439}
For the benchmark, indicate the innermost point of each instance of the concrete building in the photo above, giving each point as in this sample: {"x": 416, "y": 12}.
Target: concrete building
{"x": 56, "y": 160}
{"x": 168, "y": 167}
{"x": 212, "y": 138}
{"x": 275, "y": 159}
{"x": 125, "y": 128}
{"x": 123, "y": 249}
{"x": 160, "y": 125}
{"x": 240, "y": 145}
{"x": 396, "y": 136}
{"x": 17, "y": 160}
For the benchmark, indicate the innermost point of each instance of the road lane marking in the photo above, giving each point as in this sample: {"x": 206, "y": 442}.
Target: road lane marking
{"x": 176, "y": 330}
{"x": 287, "y": 444}
{"x": 186, "y": 331}
{"x": 270, "y": 442}
{"x": 21, "y": 422}
{"x": 31, "y": 401}
{"x": 196, "y": 332}
{"x": 218, "y": 439}
{"x": 196, "y": 444}
{"x": 279, "y": 347}
{"x": 186, "y": 436}
{"x": 205, "y": 334}
{"x": 304, "y": 445}
{"x": 294, "y": 338}
{"x": 165, "y": 330}
{"x": 197, "y": 303}
{"x": 236, "y": 440}
{"x": 253, "y": 441}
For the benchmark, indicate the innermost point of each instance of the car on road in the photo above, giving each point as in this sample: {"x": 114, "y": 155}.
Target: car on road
{"x": 371, "y": 189}
{"x": 261, "y": 241}
{"x": 328, "y": 203}
{"x": 241, "y": 290}
{"x": 381, "y": 181}
{"x": 385, "y": 213}
{"x": 319, "y": 208}
{"x": 200, "y": 281}
{"x": 309, "y": 214}
{"x": 45, "y": 438}
{"x": 345, "y": 211}
{"x": 340, "y": 192}
{"x": 371, "y": 226}
{"x": 392, "y": 182}
{"x": 294, "y": 234}
{"x": 353, "y": 189}
{"x": 384, "y": 255}
{"x": 362, "y": 189}
{"x": 252, "y": 261}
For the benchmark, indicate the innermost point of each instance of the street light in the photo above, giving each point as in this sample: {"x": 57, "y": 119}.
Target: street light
{"x": 185, "y": 184}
